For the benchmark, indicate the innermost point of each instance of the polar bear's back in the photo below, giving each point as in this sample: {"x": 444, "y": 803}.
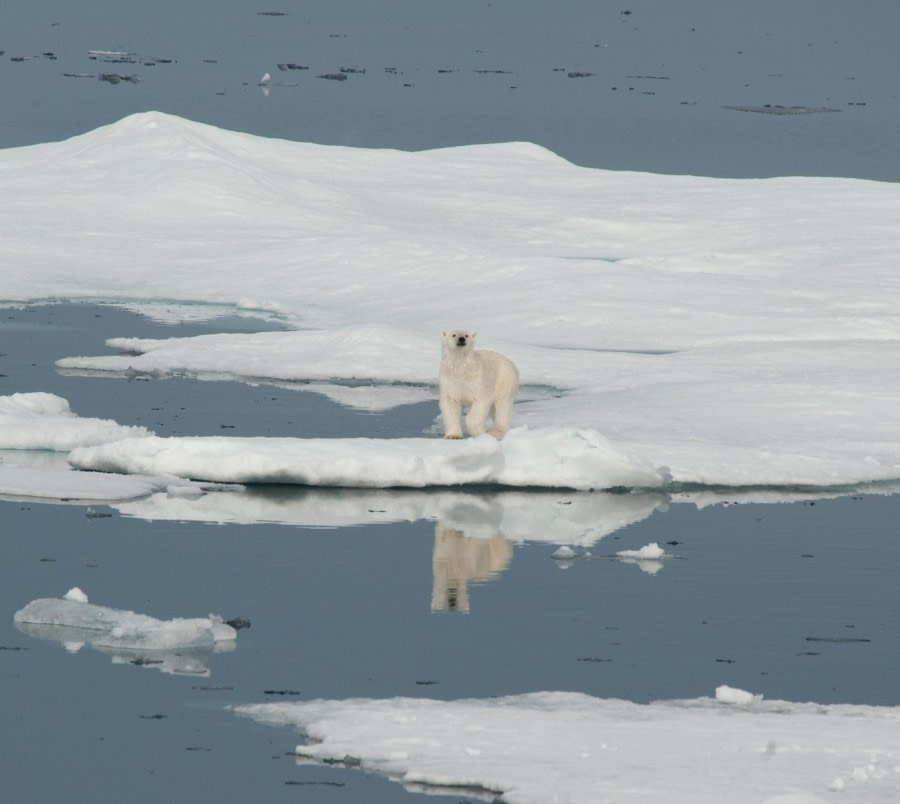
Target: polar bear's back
{"x": 503, "y": 372}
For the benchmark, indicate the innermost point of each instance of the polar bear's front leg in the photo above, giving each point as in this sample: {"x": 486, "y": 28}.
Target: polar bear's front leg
{"x": 451, "y": 413}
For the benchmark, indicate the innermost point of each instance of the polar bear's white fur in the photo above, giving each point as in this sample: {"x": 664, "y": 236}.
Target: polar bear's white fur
{"x": 486, "y": 382}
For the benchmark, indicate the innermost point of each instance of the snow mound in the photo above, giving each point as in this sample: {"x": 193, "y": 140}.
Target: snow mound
{"x": 555, "y": 746}
{"x": 576, "y": 459}
{"x": 732, "y": 695}
{"x": 40, "y": 420}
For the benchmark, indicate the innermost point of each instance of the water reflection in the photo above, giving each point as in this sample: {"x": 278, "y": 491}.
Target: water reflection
{"x": 459, "y": 559}
{"x": 572, "y": 518}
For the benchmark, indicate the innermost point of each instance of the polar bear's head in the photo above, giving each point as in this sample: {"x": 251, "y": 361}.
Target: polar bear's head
{"x": 458, "y": 341}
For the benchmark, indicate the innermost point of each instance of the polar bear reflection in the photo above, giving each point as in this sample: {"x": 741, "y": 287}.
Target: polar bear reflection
{"x": 459, "y": 559}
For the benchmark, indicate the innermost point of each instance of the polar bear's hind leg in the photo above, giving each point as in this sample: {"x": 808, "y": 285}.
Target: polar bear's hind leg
{"x": 477, "y": 416}
{"x": 502, "y": 415}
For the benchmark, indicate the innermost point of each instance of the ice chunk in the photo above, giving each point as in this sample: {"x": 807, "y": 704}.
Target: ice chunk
{"x": 732, "y": 695}
{"x": 76, "y": 595}
{"x": 119, "y": 628}
{"x": 649, "y": 552}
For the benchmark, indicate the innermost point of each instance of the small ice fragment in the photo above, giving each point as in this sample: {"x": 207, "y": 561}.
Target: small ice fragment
{"x": 265, "y": 80}
{"x": 732, "y": 695}
{"x": 837, "y": 785}
{"x": 76, "y": 595}
{"x": 649, "y": 552}
{"x": 564, "y": 553}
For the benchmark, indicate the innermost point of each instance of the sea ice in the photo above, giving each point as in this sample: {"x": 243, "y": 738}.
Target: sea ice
{"x": 551, "y": 458}
{"x": 32, "y": 421}
{"x": 649, "y": 552}
{"x": 738, "y": 332}
{"x": 126, "y": 629}
{"x": 563, "y": 746}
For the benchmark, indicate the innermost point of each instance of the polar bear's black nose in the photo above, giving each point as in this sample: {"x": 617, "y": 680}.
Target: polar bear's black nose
{"x": 461, "y": 340}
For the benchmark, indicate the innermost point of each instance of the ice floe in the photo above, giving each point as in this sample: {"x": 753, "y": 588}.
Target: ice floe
{"x": 174, "y": 646}
{"x": 42, "y": 421}
{"x": 564, "y": 746}
{"x": 738, "y": 332}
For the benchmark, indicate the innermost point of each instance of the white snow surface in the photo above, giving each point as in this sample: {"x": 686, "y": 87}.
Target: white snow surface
{"x": 738, "y": 332}
{"x": 577, "y": 459}
{"x": 575, "y": 748}
{"x": 34, "y": 421}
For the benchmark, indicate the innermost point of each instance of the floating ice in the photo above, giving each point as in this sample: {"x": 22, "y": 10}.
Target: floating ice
{"x": 24, "y": 482}
{"x": 649, "y": 552}
{"x": 551, "y": 746}
{"x": 108, "y": 627}
{"x": 44, "y": 421}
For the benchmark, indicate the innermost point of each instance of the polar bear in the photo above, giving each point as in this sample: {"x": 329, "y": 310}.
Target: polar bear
{"x": 485, "y": 381}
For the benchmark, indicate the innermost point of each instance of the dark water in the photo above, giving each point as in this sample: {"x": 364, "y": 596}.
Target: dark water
{"x": 652, "y": 81}
{"x": 795, "y": 601}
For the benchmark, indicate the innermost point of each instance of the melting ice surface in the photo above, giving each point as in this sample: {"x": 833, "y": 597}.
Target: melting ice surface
{"x": 179, "y": 646}
{"x": 667, "y": 329}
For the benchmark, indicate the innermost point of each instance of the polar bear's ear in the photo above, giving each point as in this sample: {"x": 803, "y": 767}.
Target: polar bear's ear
{"x": 473, "y": 336}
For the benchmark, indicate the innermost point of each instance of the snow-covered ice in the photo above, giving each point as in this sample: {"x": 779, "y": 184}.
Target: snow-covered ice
{"x": 42, "y": 421}
{"x": 555, "y": 458}
{"x": 649, "y": 552}
{"x": 648, "y": 558}
{"x": 737, "y": 332}
{"x": 181, "y": 645}
{"x": 575, "y": 748}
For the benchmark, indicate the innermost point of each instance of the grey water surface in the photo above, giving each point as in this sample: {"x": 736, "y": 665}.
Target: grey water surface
{"x": 649, "y": 85}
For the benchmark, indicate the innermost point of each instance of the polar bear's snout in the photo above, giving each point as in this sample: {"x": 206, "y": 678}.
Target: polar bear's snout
{"x": 461, "y": 340}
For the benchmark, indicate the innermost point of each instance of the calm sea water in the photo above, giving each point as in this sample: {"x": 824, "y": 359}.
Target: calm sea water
{"x": 650, "y": 79}
{"x": 794, "y": 601}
